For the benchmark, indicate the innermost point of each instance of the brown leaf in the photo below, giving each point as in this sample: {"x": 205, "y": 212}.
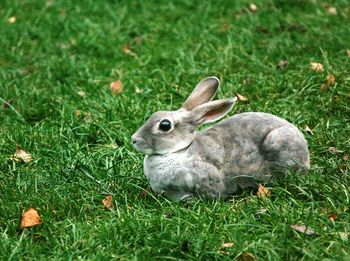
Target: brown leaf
{"x": 12, "y": 20}
{"x": 21, "y": 155}
{"x": 253, "y": 8}
{"x": 263, "y": 192}
{"x": 334, "y": 150}
{"x": 108, "y": 202}
{"x": 332, "y": 217}
{"x": 346, "y": 157}
{"x": 308, "y": 130}
{"x": 246, "y": 256}
{"x": 330, "y": 80}
{"x": 282, "y": 64}
{"x": 127, "y": 50}
{"x": 303, "y": 229}
{"x": 30, "y": 218}
{"x": 241, "y": 97}
{"x": 317, "y": 67}
{"x": 116, "y": 87}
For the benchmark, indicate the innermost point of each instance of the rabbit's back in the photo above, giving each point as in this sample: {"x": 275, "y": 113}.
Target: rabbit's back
{"x": 243, "y": 149}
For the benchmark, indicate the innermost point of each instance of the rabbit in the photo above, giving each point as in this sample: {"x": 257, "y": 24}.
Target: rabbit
{"x": 233, "y": 155}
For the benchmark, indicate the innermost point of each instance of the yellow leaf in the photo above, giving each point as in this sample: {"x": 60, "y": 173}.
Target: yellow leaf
{"x": 116, "y": 87}
{"x": 30, "y": 218}
{"x": 21, "y": 155}
{"x": 303, "y": 229}
{"x": 241, "y": 97}
{"x": 317, "y": 67}
{"x": 12, "y": 20}
{"x": 108, "y": 202}
{"x": 308, "y": 130}
{"x": 263, "y": 192}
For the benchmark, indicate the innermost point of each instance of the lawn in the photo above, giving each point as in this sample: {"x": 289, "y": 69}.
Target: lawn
{"x": 58, "y": 59}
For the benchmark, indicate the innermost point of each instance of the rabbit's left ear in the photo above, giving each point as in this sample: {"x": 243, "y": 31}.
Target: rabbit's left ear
{"x": 202, "y": 93}
{"x": 211, "y": 111}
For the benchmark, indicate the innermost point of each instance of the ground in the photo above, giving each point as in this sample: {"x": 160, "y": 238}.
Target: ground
{"x": 58, "y": 59}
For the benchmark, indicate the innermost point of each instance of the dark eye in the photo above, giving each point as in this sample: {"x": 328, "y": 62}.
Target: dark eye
{"x": 165, "y": 125}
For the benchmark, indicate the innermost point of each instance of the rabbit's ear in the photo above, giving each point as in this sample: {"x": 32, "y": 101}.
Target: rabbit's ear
{"x": 211, "y": 111}
{"x": 202, "y": 93}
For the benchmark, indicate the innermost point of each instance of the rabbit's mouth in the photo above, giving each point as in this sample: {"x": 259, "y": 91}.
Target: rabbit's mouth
{"x": 140, "y": 145}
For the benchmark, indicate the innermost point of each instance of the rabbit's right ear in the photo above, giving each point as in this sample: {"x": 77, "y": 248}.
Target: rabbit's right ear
{"x": 202, "y": 93}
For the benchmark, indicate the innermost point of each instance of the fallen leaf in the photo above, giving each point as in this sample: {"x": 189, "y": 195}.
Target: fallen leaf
{"x": 330, "y": 80}
{"x": 263, "y": 192}
{"x": 241, "y": 97}
{"x": 253, "y": 8}
{"x": 77, "y": 113}
{"x": 21, "y": 155}
{"x": 30, "y": 218}
{"x": 346, "y": 157}
{"x": 81, "y": 94}
{"x": 348, "y": 52}
{"x": 332, "y": 217}
{"x": 282, "y": 64}
{"x": 334, "y": 150}
{"x": 108, "y": 202}
{"x": 303, "y": 229}
{"x": 344, "y": 235}
{"x": 246, "y": 256}
{"x": 116, "y": 87}
{"x": 317, "y": 67}
{"x": 12, "y": 20}
{"x": 228, "y": 244}
{"x": 308, "y": 130}
{"x": 332, "y": 10}
{"x": 127, "y": 50}
{"x": 324, "y": 87}
{"x": 138, "y": 90}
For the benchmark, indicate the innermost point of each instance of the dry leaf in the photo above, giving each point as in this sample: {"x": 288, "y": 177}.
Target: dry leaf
{"x": 138, "y": 90}
{"x": 246, "y": 256}
{"x": 253, "y": 8}
{"x": 30, "y": 218}
{"x": 21, "y": 155}
{"x": 317, "y": 67}
{"x": 116, "y": 87}
{"x": 330, "y": 80}
{"x": 229, "y": 244}
{"x": 308, "y": 130}
{"x": 303, "y": 229}
{"x": 12, "y": 20}
{"x": 346, "y": 157}
{"x": 334, "y": 150}
{"x": 332, "y": 10}
{"x": 344, "y": 235}
{"x": 108, "y": 202}
{"x": 224, "y": 27}
{"x": 332, "y": 217}
{"x": 127, "y": 50}
{"x": 81, "y": 94}
{"x": 241, "y": 97}
{"x": 263, "y": 192}
{"x": 348, "y": 52}
{"x": 282, "y": 64}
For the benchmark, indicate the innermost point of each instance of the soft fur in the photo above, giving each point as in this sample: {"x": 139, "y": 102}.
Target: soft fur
{"x": 223, "y": 159}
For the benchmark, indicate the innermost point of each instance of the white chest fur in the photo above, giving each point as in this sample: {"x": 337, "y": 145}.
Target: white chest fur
{"x": 170, "y": 174}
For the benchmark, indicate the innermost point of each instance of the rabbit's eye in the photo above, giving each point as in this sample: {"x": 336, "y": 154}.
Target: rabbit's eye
{"x": 165, "y": 125}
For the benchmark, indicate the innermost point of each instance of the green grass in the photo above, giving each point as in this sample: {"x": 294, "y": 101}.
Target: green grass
{"x": 57, "y": 48}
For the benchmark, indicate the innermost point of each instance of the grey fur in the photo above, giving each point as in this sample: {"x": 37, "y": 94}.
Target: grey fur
{"x": 231, "y": 155}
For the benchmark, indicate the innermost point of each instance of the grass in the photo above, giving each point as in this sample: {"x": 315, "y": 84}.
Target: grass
{"x": 80, "y": 145}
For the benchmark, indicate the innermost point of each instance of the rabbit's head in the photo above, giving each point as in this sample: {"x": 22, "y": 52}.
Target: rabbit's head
{"x": 170, "y": 131}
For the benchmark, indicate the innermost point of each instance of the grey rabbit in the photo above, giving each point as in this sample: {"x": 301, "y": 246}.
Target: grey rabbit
{"x": 235, "y": 154}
